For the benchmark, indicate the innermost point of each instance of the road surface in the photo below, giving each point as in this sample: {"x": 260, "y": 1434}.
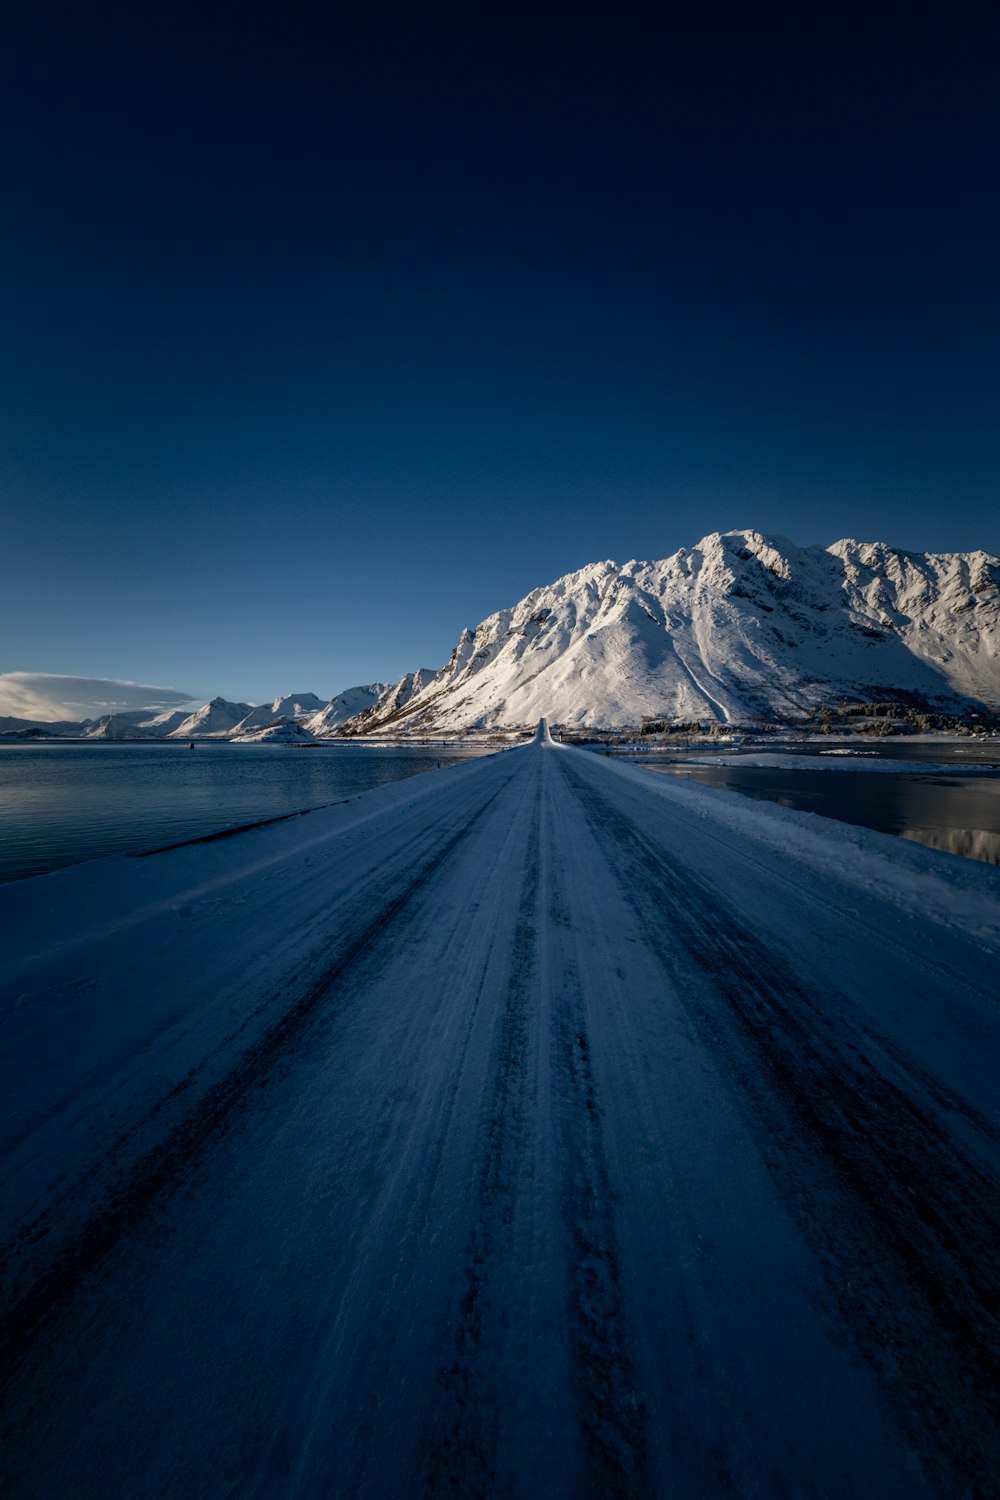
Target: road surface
{"x": 527, "y": 1129}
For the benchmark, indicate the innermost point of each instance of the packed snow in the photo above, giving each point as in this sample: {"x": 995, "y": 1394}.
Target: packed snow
{"x": 534, "y": 1127}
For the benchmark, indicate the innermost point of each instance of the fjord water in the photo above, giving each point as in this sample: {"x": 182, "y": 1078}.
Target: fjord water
{"x": 957, "y": 813}
{"x": 60, "y": 804}
{"x": 63, "y": 803}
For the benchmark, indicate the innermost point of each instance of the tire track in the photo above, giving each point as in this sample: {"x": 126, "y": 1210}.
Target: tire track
{"x": 460, "y": 1448}
{"x": 901, "y": 1217}
{"x": 613, "y": 1423}
{"x": 394, "y": 1256}
{"x": 165, "y": 1165}
{"x": 127, "y": 1138}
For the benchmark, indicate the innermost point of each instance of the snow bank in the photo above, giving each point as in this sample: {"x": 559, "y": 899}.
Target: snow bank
{"x": 945, "y": 889}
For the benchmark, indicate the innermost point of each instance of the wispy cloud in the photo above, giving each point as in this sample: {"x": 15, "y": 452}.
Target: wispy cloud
{"x": 47, "y": 696}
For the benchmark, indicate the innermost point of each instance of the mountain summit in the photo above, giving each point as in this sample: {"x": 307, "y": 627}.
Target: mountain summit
{"x": 739, "y": 626}
{"x": 214, "y": 720}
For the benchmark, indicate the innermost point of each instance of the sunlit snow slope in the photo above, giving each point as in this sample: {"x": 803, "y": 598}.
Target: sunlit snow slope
{"x": 214, "y": 720}
{"x": 346, "y": 705}
{"x": 536, "y": 1127}
{"x": 738, "y": 626}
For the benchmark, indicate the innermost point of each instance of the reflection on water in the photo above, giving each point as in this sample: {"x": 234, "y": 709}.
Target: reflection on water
{"x": 63, "y": 803}
{"x": 959, "y": 814}
{"x": 973, "y": 843}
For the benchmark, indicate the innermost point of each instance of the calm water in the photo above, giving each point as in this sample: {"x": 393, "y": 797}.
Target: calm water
{"x": 956, "y": 813}
{"x": 60, "y": 804}
{"x": 63, "y": 803}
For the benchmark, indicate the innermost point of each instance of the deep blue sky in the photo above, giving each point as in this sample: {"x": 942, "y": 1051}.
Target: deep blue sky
{"x": 328, "y": 330}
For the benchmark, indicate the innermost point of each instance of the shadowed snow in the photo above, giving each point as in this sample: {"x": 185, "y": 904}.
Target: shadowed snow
{"x": 534, "y": 1128}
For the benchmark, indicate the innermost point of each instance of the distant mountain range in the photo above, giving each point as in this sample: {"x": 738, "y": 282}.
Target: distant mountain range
{"x": 740, "y": 627}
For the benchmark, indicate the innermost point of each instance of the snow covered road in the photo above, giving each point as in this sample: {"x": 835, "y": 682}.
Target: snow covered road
{"x": 539, "y": 1127}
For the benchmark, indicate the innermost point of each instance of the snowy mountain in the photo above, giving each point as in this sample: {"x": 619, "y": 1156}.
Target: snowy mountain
{"x": 242, "y": 721}
{"x": 214, "y": 720}
{"x": 344, "y": 706}
{"x": 218, "y": 719}
{"x": 116, "y": 726}
{"x": 163, "y": 723}
{"x": 739, "y": 626}
{"x": 12, "y": 726}
{"x": 130, "y": 725}
{"x": 393, "y": 700}
{"x": 297, "y": 706}
{"x": 284, "y": 731}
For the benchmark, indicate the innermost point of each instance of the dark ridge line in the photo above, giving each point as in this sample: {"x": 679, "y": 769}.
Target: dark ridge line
{"x": 460, "y": 1457}
{"x": 613, "y": 1421}
{"x": 229, "y": 833}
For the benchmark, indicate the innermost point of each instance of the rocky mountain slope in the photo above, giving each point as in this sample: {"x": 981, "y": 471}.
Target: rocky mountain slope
{"x": 393, "y": 701}
{"x": 739, "y": 626}
{"x": 294, "y": 706}
{"x": 346, "y": 705}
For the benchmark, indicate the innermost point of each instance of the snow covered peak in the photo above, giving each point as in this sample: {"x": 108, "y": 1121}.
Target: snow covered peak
{"x": 394, "y": 700}
{"x": 346, "y": 705}
{"x": 120, "y": 726}
{"x": 297, "y": 705}
{"x": 214, "y": 720}
{"x": 741, "y": 624}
